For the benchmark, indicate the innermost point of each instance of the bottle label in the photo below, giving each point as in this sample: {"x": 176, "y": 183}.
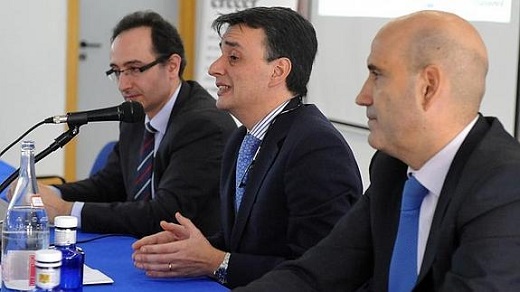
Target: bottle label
{"x": 64, "y": 237}
{"x": 32, "y": 269}
{"x": 16, "y": 261}
{"x": 48, "y": 278}
{"x": 37, "y": 202}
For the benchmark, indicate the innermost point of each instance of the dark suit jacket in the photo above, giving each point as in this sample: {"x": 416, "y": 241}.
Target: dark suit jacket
{"x": 186, "y": 172}
{"x": 303, "y": 180}
{"x": 474, "y": 242}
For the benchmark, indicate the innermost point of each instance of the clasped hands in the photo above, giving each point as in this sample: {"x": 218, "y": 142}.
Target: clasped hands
{"x": 181, "y": 250}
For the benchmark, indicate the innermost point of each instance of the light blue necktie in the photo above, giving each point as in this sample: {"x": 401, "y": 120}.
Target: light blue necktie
{"x": 244, "y": 162}
{"x": 403, "y": 267}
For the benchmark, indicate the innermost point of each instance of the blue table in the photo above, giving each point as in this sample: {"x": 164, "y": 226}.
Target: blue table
{"x": 112, "y": 256}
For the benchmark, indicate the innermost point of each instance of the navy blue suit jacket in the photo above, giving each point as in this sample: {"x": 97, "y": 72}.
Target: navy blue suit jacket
{"x": 304, "y": 179}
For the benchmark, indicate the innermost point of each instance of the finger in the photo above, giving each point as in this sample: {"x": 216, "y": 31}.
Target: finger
{"x": 170, "y": 270}
{"x": 186, "y": 223}
{"x": 150, "y": 239}
{"x": 156, "y": 274}
{"x": 172, "y": 227}
{"x": 177, "y": 232}
{"x": 163, "y": 248}
{"x": 153, "y": 261}
{"x": 160, "y": 237}
{"x": 168, "y": 274}
{"x": 153, "y": 267}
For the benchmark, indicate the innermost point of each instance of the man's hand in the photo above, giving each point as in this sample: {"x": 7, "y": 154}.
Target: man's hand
{"x": 181, "y": 250}
{"x": 54, "y": 205}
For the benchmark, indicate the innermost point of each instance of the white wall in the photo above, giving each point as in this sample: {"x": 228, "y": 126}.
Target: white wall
{"x": 357, "y": 139}
{"x": 32, "y": 75}
{"x": 340, "y": 67}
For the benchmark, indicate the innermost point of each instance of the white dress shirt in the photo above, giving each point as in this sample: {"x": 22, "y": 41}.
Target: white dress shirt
{"x": 432, "y": 176}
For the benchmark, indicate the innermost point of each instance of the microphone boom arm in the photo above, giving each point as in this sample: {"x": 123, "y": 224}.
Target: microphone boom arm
{"x": 60, "y": 141}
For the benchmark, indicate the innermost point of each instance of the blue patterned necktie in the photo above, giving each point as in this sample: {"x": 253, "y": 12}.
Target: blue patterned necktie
{"x": 403, "y": 267}
{"x": 143, "y": 179}
{"x": 246, "y": 153}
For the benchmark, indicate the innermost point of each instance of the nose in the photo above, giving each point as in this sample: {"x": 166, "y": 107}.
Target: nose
{"x": 364, "y": 97}
{"x": 124, "y": 82}
{"x": 215, "y": 69}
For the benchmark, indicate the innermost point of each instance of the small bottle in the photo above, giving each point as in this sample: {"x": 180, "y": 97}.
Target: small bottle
{"x": 25, "y": 228}
{"x": 48, "y": 263}
{"x": 73, "y": 257}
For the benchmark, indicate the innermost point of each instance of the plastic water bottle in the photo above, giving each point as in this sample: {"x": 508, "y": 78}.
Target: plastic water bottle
{"x": 25, "y": 228}
{"x": 73, "y": 256}
{"x": 48, "y": 263}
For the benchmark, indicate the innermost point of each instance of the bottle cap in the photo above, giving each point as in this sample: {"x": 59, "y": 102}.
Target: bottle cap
{"x": 66, "y": 222}
{"x": 48, "y": 255}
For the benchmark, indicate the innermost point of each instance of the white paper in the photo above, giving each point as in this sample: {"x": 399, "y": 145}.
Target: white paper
{"x": 92, "y": 276}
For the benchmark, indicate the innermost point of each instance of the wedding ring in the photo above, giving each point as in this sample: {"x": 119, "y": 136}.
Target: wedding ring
{"x": 170, "y": 266}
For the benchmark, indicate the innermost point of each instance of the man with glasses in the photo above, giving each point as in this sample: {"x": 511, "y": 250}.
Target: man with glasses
{"x": 176, "y": 166}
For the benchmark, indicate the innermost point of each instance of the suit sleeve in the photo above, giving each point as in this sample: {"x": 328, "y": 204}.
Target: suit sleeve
{"x": 105, "y": 186}
{"x": 189, "y": 182}
{"x": 342, "y": 261}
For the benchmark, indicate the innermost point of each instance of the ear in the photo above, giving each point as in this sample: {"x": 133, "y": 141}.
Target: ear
{"x": 281, "y": 69}
{"x": 430, "y": 85}
{"x": 174, "y": 64}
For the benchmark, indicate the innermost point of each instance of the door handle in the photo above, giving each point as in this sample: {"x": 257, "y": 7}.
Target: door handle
{"x": 85, "y": 44}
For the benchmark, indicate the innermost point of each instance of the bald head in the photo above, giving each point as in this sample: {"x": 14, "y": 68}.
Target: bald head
{"x": 446, "y": 40}
{"x": 426, "y": 83}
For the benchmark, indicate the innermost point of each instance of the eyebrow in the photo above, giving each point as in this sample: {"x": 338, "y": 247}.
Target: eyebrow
{"x": 373, "y": 67}
{"x": 133, "y": 62}
{"x": 230, "y": 43}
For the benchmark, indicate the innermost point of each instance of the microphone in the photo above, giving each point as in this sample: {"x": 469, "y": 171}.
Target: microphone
{"x": 128, "y": 112}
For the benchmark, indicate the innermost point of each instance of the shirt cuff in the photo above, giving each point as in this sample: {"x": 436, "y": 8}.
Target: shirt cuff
{"x": 56, "y": 190}
{"x": 77, "y": 207}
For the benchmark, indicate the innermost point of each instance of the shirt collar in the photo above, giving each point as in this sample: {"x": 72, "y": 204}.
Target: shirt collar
{"x": 160, "y": 120}
{"x": 259, "y": 130}
{"x": 434, "y": 171}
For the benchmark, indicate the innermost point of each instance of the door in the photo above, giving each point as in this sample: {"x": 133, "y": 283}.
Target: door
{"x": 98, "y": 17}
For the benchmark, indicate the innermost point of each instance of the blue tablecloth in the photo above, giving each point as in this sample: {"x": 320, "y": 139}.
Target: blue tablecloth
{"x": 112, "y": 256}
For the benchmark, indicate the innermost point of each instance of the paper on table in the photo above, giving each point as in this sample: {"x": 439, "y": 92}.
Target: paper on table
{"x": 92, "y": 276}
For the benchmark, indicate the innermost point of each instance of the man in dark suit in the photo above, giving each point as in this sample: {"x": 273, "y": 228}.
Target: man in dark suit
{"x": 302, "y": 177}
{"x": 426, "y": 83}
{"x": 147, "y": 61}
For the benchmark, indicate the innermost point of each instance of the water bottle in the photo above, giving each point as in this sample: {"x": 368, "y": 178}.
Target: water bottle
{"x": 73, "y": 256}
{"x": 25, "y": 228}
{"x": 48, "y": 263}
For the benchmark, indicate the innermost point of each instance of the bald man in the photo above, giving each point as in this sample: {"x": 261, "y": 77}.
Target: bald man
{"x": 423, "y": 93}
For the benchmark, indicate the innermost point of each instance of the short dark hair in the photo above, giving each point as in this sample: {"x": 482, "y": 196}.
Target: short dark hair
{"x": 288, "y": 34}
{"x": 165, "y": 37}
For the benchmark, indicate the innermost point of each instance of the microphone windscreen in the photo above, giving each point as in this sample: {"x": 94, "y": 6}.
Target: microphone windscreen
{"x": 132, "y": 112}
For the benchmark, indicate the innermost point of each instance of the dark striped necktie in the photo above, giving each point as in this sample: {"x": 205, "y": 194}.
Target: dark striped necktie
{"x": 142, "y": 189}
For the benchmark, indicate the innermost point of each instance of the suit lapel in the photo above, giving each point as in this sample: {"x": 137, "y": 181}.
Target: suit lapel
{"x": 270, "y": 148}
{"x": 449, "y": 190}
{"x": 227, "y": 195}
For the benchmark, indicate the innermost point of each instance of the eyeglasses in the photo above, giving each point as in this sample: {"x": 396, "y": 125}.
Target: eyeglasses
{"x": 113, "y": 74}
